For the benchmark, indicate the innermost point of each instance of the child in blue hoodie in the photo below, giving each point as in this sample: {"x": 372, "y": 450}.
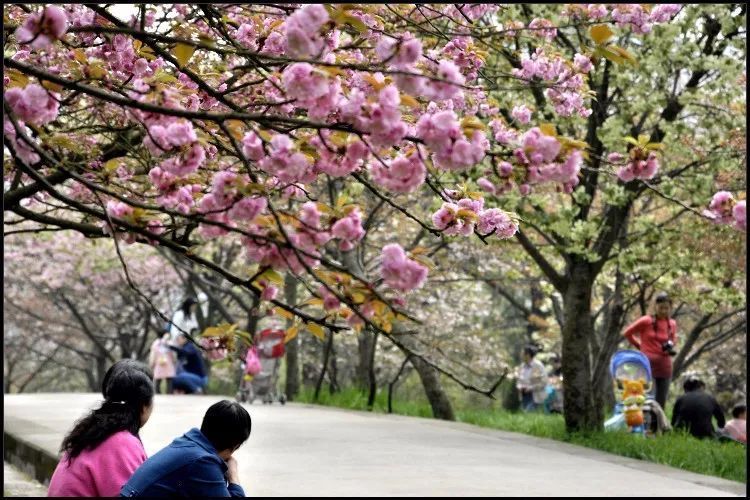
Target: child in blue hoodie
{"x": 200, "y": 462}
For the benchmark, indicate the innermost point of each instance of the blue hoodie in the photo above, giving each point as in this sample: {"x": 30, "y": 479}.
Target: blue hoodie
{"x": 188, "y": 467}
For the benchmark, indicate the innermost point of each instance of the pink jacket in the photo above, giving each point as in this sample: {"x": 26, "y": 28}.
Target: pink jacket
{"x": 162, "y": 359}
{"x": 100, "y": 472}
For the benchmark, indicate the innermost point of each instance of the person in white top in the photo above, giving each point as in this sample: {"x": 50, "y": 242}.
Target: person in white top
{"x": 184, "y": 319}
{"x": 532, "y": 380}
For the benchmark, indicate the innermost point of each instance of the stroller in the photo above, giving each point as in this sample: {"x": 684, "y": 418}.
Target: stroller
{"x": 269, "y": 347}
{"x": 631, "y": 377}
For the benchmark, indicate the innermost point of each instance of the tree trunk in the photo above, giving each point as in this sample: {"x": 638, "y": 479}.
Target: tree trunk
{"x": 579, "y": 408}
{"x": 613, "y": 322}
{"x": 441, "y": 405}
{"x": 326, "y": 354}
{"x": 292, "y": 348}
{"x": 333, "y": 384}
{"x": 372, "y": 383}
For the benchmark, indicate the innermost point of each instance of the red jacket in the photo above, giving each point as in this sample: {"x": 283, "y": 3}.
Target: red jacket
{"x": 642, "y": 336}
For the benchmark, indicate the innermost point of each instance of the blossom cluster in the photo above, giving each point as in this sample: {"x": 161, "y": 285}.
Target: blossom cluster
{"x": 399, "y": 271}
{"x": 452, "y": 150}
{"x": 724, "y": 209}
{"x": 640, "y": 164}
{"x": 568, "y": 90}
{"x": 461, "y": 217}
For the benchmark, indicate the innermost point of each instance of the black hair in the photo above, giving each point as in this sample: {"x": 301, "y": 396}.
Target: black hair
{"x": 226, "y": 425}
{"x": 186, "y": 305}
{"x": 127, "y": 388}
{"x": 738, "y": 410}
{"x": 693, "y": 383}
{"x": 662, "y": 297}
{"x": 530, "y": 350}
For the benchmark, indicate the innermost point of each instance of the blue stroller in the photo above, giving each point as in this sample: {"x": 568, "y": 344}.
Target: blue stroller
{"x": 631, "y": 378}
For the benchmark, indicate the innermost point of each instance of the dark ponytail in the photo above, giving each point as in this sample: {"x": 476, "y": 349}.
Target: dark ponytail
{"x": 127, "y": 388}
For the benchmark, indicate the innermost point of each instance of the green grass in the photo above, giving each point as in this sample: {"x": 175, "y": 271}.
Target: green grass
{"x": 676, "y": 449}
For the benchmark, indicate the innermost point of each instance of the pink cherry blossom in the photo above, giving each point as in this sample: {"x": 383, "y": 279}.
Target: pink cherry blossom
{"x": 522, "y": 113}
{"x": 543, "y": 28}
{"x": 662, "y": 13}
{"x": 330, "y": 301}
{"x": 247, "y": 209}
{"x": 119, "y": 209}
{"x": 404, "y": 174}
{"x": 398, "y": 271}
{"x": 40, "y": 30}
{"x": 302, "y": 31}
{"x": 33, "y": 104}
{"x": 496, "y": 220}
{"x": 348, "y": 230}
{"x": 739, "y": 214}
{"x": 252, "y": 146}
{"x": 283, "y": 162}
{"x": 442, "y": 90}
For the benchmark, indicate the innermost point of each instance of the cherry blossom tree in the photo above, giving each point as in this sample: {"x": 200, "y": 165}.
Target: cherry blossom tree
{"x": 282, "y": 128}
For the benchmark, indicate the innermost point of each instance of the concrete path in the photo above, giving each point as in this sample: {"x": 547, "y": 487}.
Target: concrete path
{"x": 303, "y": 450}
{"x": 18, "y": 484}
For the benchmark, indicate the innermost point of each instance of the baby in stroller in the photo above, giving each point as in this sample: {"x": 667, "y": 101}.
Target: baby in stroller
{"x": 635, "y": 410}
{"x": 260, "y": 369}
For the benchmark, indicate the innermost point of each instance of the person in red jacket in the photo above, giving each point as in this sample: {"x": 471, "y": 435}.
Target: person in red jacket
{"x": 656, "y": 337}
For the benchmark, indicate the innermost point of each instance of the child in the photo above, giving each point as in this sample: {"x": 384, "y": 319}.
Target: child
{"x": 162, "y": 362}
{"x": 737, "y": 428}
{"x": 103, "y": 450}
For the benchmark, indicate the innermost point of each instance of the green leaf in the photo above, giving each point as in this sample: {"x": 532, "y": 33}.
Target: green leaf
{"x": 601, "y": 33}
{"x": 272, "y": 276}
{"x": 316, "y": 330}
{"x": 183, "y": 52}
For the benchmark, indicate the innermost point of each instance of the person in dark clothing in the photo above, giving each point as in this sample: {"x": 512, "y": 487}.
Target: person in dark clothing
{"x": 200, "y": 462}
{"x": 191, "y": 375}
{"x": 694, "y": 409}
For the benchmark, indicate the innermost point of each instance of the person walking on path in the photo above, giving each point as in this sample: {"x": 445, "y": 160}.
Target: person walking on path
{"x": 532, "y": 380}
{"x": 103, "y": 450}
{"x": 191, "y": 376}
{"x": 163, "y": 363}
{"x": 200, "y": 462}
{"x": 656, "y": 337}
{"x": 694, "y": 409}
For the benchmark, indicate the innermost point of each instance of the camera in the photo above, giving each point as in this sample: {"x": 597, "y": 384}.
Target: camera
{"x": 668, "y": 347}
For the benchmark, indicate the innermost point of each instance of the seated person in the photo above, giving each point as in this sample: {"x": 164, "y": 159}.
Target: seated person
{"x": 694, "y": 409}
{"x": 191, "y": 376}
{"x": 200, "y": 462}
{"x": 736, "y": 428}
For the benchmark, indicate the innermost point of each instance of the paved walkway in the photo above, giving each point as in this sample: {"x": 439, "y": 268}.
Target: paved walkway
{"x": 18, "y": 484}
{"x": 303, "y": 450}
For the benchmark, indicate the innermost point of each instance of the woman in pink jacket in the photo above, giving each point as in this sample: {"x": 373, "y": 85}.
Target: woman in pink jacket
{"x": 103, "y": 450}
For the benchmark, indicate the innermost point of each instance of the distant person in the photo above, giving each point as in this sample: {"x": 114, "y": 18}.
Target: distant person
{"x": 184, "y": 319}
{"x": 103, "y": 450}
{"x": 163, "y": 363}
{"x": 656, "y": 337}
{"x": 553, "y": 403}
{"x": 532, "y": 380}
{"x": 737, "y": 427}
{"x": 191, "y": 377}
{"x": 694, "y": 409}
{"x": 200, "y": 462}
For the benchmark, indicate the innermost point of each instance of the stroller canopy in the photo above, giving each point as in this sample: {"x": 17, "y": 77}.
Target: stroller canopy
{"x": 630, "y": 365}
